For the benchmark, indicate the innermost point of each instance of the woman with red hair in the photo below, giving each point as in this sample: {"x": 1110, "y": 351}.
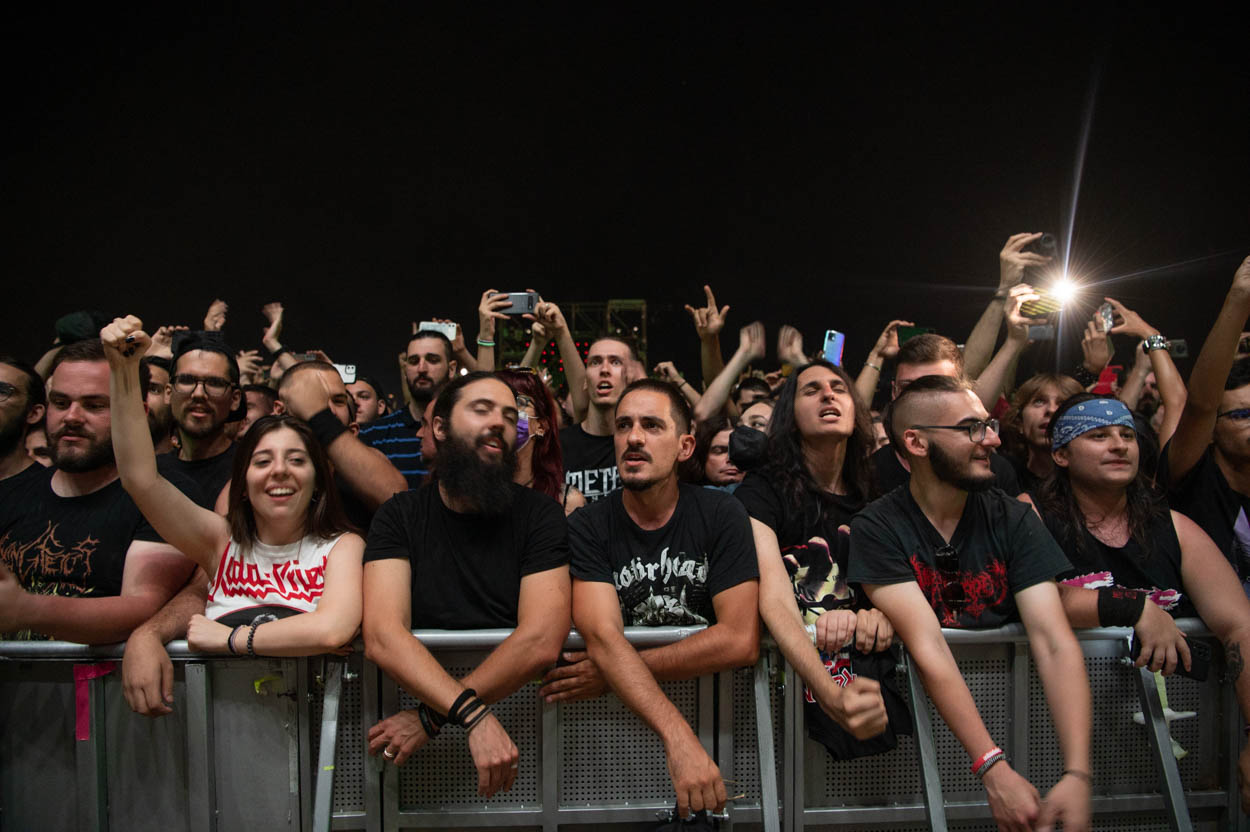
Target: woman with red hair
{"x": 540, "y": 465}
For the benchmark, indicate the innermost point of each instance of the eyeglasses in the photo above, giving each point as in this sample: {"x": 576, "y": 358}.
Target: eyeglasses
{"x": 1238, "y": 415}
{"x": 951, "y": 589}
{"x": 213, "y": 385}
{"x": 523, "y": 400}
{"x": 6, "y": 391}
{"x": 975, "y": 430}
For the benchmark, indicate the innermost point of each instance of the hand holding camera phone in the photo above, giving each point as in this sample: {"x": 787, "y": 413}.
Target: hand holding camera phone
{"x": 1199, "y": 657}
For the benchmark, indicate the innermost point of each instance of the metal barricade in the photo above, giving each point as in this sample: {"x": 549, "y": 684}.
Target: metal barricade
{"x": 281, "y": 744}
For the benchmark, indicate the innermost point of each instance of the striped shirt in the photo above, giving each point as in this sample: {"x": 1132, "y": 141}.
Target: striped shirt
{"x": 395, "y": 435}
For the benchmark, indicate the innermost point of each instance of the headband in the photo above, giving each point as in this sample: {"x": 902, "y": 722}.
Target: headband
{"x": 1087, "y": 416}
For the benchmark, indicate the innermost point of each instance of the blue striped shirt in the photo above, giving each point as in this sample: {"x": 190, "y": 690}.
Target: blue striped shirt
{"x": 395, "y": 435}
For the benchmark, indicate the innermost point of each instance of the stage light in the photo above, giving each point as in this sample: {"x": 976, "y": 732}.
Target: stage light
{"x": 1064, "y": 290}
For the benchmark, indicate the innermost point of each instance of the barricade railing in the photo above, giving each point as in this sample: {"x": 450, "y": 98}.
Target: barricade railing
{"x": 281, "y": 743}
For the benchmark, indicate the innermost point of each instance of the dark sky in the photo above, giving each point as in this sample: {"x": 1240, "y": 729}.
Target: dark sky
{"x": 369, "y": 165}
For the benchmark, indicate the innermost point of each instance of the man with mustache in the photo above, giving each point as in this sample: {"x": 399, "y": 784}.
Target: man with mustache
{"x": 470, "y": 549}
{"x": 950, "y": 550}
{"x": 79, "y": 562}
{"x": 589, "y": 454}
{"x": 660, "y": 553}
{"x": 427, "y": 367}
{"x": 154, "y": 378}
{"x": 21, "y": 410}
{"x": 204, "y": 395}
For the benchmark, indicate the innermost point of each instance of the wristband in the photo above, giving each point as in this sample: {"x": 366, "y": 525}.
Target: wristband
{"x": 281, "y": 349}
{"x": 1119, "y": 607}
{"x": 1083, "y": 376}
{"x": 478, "y": 717}
{"x": 326, "y": 427}
{"x": 455, "y": 714}
{"x": 1080, "y": 775}
{"x": 427, "y": 723}
{"x": 481, "y": 342}
{"x": 1002, "y": 294}
{"x": 230, "y": 639}
{"x": 251, "y": 634}
{"x": 982, "y": 764}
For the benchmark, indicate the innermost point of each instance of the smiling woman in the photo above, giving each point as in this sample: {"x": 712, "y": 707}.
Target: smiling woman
{"x": 283, "y": 551}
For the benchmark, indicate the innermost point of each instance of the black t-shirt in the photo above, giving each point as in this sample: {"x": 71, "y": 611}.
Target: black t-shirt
{"x": 1027, "y": 480}
{"x": 467, "y": 568}
{"x": 668, "y": 576}
{"x": 1205, "y": 497}
{"x": 815, "y": 552}
{"x": 1098, "y": 565}
{"x": 1003, "y": 548}
{"x": 889, "y": 473}
{"x": 211, "y": 474}
{"x": 71, "y": 546}
{"x": 589, "y": 463}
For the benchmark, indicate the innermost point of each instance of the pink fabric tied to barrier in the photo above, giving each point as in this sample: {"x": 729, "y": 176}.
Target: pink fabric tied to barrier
{"x": 84, "y": 673}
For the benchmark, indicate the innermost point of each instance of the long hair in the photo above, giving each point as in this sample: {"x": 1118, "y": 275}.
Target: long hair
{"x": 693, "y": 470}
{"x": 1013, "y": 427}
{"x": 1145, "y": 503}
{"x": 786, "y": 466}
{"x": 546, "y": 460}
{"x": 325, "y": 518}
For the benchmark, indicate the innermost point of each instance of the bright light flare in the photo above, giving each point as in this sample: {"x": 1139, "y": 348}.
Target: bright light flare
{"x": 1064, "y": 290}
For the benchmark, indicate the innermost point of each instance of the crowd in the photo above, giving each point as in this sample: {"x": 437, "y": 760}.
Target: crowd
{"x": 156, "y": 483}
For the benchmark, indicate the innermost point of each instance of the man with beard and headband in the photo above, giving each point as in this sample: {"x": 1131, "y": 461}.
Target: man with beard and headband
{"x": 470, "y": 549}
{"x": 21, "y": 410}
{"x": 950, "y": 550}
{"x": 588, "y": 449}
{"x": 427, "y": 367}
{"x": 154, "y": 376}
{"x": 204, "y": 396}
{"x": 77, "y": 560}
{"x": 666, "y": 554}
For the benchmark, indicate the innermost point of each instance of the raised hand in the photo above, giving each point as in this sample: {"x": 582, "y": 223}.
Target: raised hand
{"x": 667, "y": 371}
{"x": 1012, "y": 261}
{"x": 887, "y": 341}
{"x": 790, "y": 346}
{"x": 751, "y": 341}
{"x": 550, "y": 317}
{"x": 163, "y": 341}
{"x": 457, "y": 343}
{"x": 1241, "y": 279}
{"x": 708, "y": 321}
{"x": 1130, "y": 322}
{"x": 215, "y": 317}
{"x": 273, "y": 313}
{"x": 1017, "y": 324}
{"x": 249, "y": 365}
{"x": 1097, "y": 347}
{"x": 493, "y": 301}
{"x": 124, "y": 341}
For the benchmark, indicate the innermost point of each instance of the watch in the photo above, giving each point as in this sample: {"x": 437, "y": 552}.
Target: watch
{"x": 1155, "y": 342}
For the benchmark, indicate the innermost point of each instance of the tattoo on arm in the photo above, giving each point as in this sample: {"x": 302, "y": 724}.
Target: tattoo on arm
{"x": 1233, "y": 661}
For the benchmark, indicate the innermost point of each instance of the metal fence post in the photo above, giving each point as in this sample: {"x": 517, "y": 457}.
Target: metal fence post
{"x": 201, "y": 769}
{"x": 1161, "y": 747}
{"x": 324, "y": 794}
{"x": 765, "y": 745}
{"x": 926, "y": 753}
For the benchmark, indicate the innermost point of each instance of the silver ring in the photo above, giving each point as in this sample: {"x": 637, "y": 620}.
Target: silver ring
{"x": 515, "y": 766}
{"x": 388, "y": 754}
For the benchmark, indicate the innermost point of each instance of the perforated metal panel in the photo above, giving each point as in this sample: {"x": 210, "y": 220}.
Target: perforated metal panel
{"x": 608, "y": 755}
{"x": 746, "y": 757}
{"x": 1121, "y": 756}
{"x": 350, "y": 752}
{"x": 442, "y": 775}
{"x": 882, "y": 779}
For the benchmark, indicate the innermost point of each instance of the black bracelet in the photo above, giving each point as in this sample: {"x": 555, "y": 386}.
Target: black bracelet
{"x": 455, "y": 713}
{"x": 230, "y": 639}
{"x": 1119, "y": 607}
{"x": 326, "y": 427}
{"x": 478, "y": 717}
{"x": 251, "y": 634}
{"x": 274, "y": 355}
{"x": 1083, "y": 376}
{"x": 1080, "y": 775}
{"x": 427, "y": 724}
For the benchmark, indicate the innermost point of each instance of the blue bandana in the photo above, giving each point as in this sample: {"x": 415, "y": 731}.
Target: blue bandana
{"x": 1087, "y": 416}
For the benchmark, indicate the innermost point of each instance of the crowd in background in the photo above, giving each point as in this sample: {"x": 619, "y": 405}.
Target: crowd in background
{"x": 158, "y": 482}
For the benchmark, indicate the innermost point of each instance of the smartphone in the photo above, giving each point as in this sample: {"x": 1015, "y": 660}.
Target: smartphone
{"x": 304, "y": 356}
{"x": 447, "y": 329}
{"x": 1178, "y": 348}
{"x": 347, "y": 372}
{"x": 1199, "y": 657}
{"x": 834, "y": 342}
{"x": 523, "y": 303}
{"x": 1042, "y": 332}
{"x": 1046, "y": 304}
{"x": 1106, "y": 314}
{"x": 906, "y": 333}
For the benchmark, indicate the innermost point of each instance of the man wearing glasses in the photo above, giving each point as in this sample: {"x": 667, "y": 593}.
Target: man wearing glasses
{"x": 1206, "y": 465}
{"x": 21, "y": 408}
{"x": 204, "y": 396}
{"x": 949, "y": 550}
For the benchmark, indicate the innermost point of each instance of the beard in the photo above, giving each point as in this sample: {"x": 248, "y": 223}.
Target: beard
{"x": 160, "y": 424}
{"x": 203, "y": 430}
{"x": 946, "y": 469}
{"x": 485, "y": 486}
{"x": 12, "y": 434}
{"x": 422, "y": 396}
{"x": 97, "y": 454}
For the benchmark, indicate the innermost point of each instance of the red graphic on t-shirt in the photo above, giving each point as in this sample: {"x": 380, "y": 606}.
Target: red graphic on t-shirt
{"x": 839, "y": 669}
{"x": 286, "y": 580}
{"x": 982, "y": 590}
